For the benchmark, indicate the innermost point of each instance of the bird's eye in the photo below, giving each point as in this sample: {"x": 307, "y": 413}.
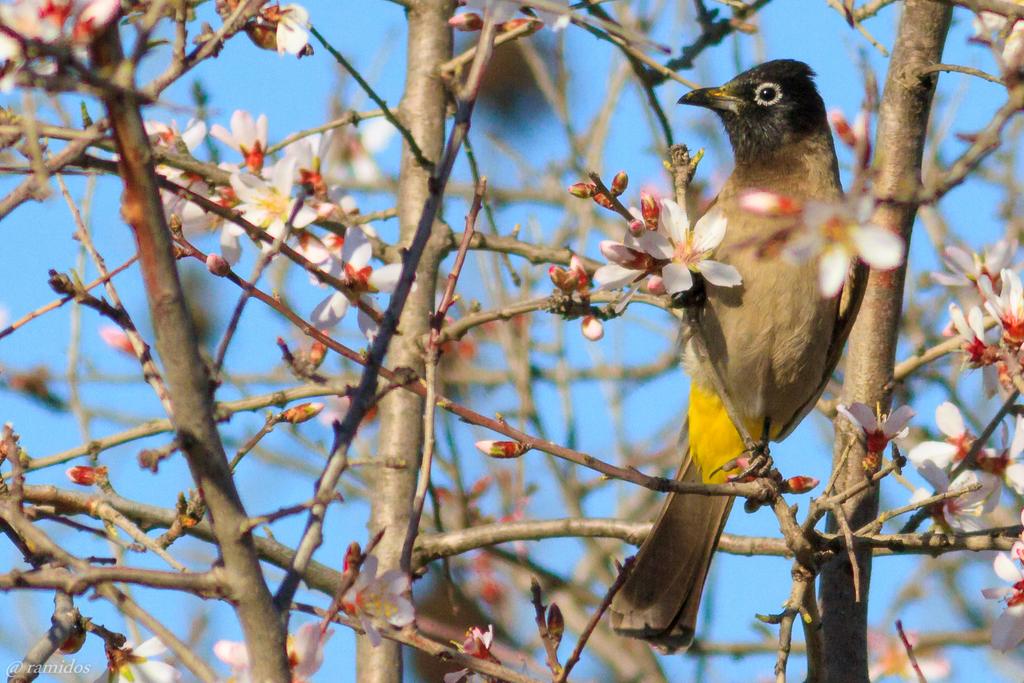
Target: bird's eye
{"x": 767, "y": 94}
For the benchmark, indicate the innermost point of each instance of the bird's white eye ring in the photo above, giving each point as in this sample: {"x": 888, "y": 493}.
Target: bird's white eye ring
{"x": 767, "y": 94}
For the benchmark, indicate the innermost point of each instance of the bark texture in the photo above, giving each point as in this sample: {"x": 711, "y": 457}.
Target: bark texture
{"x": 422, "y": 110}
{"x": 902, "y": 126}
{"x": 188, "y": 382}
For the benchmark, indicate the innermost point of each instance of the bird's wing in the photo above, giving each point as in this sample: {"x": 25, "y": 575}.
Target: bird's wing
{"x": 846, "y": 313}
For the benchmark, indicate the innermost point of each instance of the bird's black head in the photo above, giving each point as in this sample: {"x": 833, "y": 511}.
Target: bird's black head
{"x": 766, "y": 107}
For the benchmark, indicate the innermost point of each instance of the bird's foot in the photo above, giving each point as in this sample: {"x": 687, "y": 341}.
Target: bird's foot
{"x": 759, "y": 463}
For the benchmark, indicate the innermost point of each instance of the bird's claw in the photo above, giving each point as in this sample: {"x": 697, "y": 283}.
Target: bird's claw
{"x": 760, "y": 463}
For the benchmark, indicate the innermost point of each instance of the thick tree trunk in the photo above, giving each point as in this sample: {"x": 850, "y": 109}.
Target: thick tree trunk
{"x": 422, "y": 110}
{"x": 902, "y": 124}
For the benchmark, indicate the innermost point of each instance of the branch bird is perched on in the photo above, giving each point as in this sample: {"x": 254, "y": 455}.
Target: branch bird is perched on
{"x": 773, "y": 341}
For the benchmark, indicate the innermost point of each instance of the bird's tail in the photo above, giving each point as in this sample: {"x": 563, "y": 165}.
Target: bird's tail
{"x": 660, "y": 598}
{"x": 659, "y": 601}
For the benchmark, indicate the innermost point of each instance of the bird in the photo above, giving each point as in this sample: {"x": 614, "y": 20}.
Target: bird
{"x": 772, "y": 342}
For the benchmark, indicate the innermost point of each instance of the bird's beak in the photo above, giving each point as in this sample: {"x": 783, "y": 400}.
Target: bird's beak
{"x": 712, "y": 98}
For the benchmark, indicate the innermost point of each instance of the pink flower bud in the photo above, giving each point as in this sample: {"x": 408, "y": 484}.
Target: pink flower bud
{"x": 765, "y": 203}
{"x": 502, "y": 449}
{"x": 650, "y": 209}
{"x": 616, "y": 252}
{"x": 619, "y": 183}
{"x": 592, "y": 328}
{"x": 513, "y": 24}
{"x": 467, "y": 21}
{"x": 656, "y": 286}
{"x": 801, "y": 484}
{"x": 218, "y": 265}
{"x": 302, "y": 412}
{"x": 116, "y": 338}
{"x": 842, "y": 127}
{"x": 579, "y": 273}
{"x": 582, "y": 190}
{"x": 637, "y": 226}
{"x": 86, "y": 475}
{"x": 576, "y": 266}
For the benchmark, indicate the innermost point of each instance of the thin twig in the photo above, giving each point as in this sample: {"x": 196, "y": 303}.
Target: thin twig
{"x": 624, "y": 572}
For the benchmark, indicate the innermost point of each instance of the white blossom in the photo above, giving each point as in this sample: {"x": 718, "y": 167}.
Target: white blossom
{"x": 379, "y": 597}
{"x": 1008, "y": 631}
{"x": 131, "y": 664}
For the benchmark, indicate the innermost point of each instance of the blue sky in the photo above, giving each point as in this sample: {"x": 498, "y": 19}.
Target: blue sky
{"x": 295, "y": 95}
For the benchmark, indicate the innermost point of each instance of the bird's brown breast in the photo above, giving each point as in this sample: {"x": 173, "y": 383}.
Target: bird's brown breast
{"x": 770, "y": 337}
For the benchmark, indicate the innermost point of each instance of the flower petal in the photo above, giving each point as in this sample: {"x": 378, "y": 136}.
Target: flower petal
{"x": 934, "y": 476}
{"x": 385, "y": 278}
{"x": 230, "y": 246}
{"x": 357, "y": 249}
{"x": 613, "y": 276}
{"x": 709, "y": 231}
{"x": 949, "y": 420}
{"x": 897, "y": 421}
{"x": 232, "y": 653}
{"x": 832, "y": 269}
{"x": 155, "y": 672}
{"x": 367, "y": 325}
{"x": 676, "y": 278}
{"x": 720, "y": 274}
{"x": 1008, "y": 631}
{"x": 656, "y": 244}
{"x": 878, "y": 247}
{"x": 673, "y": 221}
{"x": 938, "y": 453}
{"x": 861, "y": 415}
{"x": 1015, "y": 477}
{"x": 330, "y": 311}
{"x": 151, "y": 648}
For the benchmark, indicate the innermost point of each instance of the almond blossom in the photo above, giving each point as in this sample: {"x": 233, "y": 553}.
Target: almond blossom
{"x": 956, "y": 446}
{"x": 379, "y": 597}
{"x": 131, "y": 664}
{"x": 989, "y": 24}
{"x": 1006, "y": 461}
{"x": 268, "y": 205}
{"x": 247, "y": 137}
{"x": 357, "y": 148}
{"x": 968, "y": 268}
{"x": 1008, "y": 306}
{"x": 961, "y": 512}
{"x": 878, "y": 432}
{"x": 305, "y": 654}
{"x": 672, "y": 253}
{"x": 309, "y": 154}
{"x": 360, "y": 278}
{"x": 292, "y": 29}
{"x": 477, "y": 643}
{"x": 971, "y": 329}
{"x": 168, "y": 136}
{"x": 1008, "y": 631}
{"x": 48, "y": 20}
{"x": 837, "y": 233}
